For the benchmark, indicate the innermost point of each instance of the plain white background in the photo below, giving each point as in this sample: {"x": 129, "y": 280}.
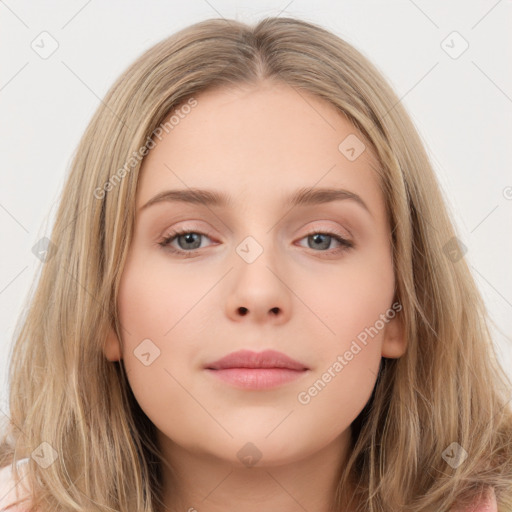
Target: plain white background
{"x": 449, "y": 62}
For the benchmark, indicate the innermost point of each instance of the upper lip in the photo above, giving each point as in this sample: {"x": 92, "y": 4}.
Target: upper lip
{"x": 249, "y": 359}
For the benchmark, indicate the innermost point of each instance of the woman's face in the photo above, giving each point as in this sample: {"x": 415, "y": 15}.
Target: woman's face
{"x": 257, "y": 272}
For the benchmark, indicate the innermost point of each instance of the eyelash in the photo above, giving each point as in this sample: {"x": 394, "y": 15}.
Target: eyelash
{"x": 345, "y": 244}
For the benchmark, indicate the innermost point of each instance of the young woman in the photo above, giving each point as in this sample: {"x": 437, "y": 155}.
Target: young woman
{"x": 254, "y": 299}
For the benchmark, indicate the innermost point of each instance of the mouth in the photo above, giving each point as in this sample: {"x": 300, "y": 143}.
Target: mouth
{"x": 256, "y": 370}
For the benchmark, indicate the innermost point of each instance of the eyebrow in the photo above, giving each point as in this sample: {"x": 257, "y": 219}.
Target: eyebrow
{"x": 301, "y": 197}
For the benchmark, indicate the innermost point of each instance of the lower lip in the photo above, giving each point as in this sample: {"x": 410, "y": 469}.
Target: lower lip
{"x": 257, "y": 378}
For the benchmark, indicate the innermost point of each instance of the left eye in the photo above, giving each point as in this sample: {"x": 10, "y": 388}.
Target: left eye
{"x": 189, "y": 242}
{"x": 323, "y": 240}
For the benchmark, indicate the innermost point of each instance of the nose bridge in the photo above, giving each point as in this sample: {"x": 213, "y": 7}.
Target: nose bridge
{"x": 257, "y": 228}
{"x": 257, "y": 255}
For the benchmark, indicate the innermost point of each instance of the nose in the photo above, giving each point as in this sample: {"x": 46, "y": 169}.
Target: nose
{"x": 258, "y": 293}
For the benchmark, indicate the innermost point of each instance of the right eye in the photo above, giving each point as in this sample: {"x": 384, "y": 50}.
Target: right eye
{"x": 190, "y": 241}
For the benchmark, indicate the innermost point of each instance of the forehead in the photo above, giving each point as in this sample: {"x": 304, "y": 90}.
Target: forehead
{"x": 258, "y": 144}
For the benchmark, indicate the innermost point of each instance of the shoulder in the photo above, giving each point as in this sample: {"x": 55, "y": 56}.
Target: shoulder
{"x": 486, "y": 502}
{"x": 10, "y": 492}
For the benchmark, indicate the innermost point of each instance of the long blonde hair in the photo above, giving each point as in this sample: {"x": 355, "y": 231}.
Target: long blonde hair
{"x": 447, "y": 388}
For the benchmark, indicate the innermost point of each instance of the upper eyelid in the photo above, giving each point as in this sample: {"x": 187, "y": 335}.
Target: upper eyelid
{"x": 193, "y": 229}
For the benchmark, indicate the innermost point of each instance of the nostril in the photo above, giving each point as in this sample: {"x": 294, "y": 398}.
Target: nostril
{"x": 242, "y": 310}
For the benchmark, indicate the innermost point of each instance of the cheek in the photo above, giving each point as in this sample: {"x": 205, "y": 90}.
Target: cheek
{"x": 165, "y": 314}
{"x": 349, "y": 350}
{"x": 156, "y": 297}
{"x": 153, "y": 308}
{"x": 352, "y": 298}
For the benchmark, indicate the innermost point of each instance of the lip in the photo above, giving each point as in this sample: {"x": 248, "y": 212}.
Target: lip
{"x": 256, "y": 370}
{"x": 249, "y": 359}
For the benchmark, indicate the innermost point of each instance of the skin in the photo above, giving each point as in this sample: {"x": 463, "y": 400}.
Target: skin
{"x": 259, "y": 144}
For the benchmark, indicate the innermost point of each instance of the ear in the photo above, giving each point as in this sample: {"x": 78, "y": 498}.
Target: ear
{"x": 394, "y": 343}
{"x": 112, "y": 346}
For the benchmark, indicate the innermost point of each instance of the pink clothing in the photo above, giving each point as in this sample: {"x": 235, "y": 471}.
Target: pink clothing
{"x": 486, "y": 503}
{"x": 9, "y": 493}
